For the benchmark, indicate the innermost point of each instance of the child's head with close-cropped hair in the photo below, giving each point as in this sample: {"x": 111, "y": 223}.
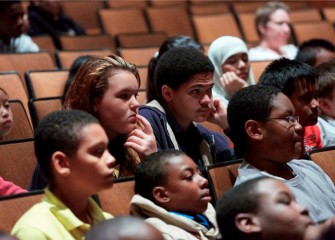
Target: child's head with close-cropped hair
{"x": 171, "y": 194}
{"x": 173, "y": 181}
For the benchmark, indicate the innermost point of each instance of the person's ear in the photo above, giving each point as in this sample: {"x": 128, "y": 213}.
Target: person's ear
{"x": 261, "y": 28}
{"x": 167, "y": 93}
{"x": 323, "y": 103}
{"x": 254, "y": 129}
{"x": 95, "y": 106}
{"x": 247, "y": 223}
{"x": 160, "y": 195}
{"x": 60, "y": 163}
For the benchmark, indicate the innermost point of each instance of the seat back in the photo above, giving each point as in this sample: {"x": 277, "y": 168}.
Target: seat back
{"x": 66, "y": 58}
{"x": 127, "y": 4}
{"x": 140, "y": 40}
{"x": 247, "y": 22}
{"x": 174, "y": 20}
{"x": 39, "y": 107}
{"x": 44, "y": 42}
{"x": 329, "y": 13}
{"x": 17, "y": 161}
{"x": 210, "y": 27}
{"x": 48, "y": 83}
{"x": 22, "y": 62}
{"x": 138, "y": 56}
{"x": 246, "y": 6}
{"x": 258, "y": 68}
{"x": 206, "y": 8}
{"x": 22, "y": 126}
{"x": 14, "y": 206}
{"x": 85, "y": 14}
{"x": 129, "y": 20}
{"x": 116, "y": 200}
{"x": 308, "y": 30}
{"x": 222, "y": 176}
{"x": 86, "y": 42}
{"x": 325, "y": 158}
{"x": 164, "y": 3}
{"x": 305, "y": 15}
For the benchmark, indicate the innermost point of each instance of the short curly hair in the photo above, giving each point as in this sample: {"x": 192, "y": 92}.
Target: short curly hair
{"x": 286, "y": 74}
{"x": 309, "y": 50}
{"x": 151, "y": 172}
{"x": 240, "y": 199}
{"x": 59, "y": 131}
{"x": 178, "y": 65}
{"x": 252, "y": 102}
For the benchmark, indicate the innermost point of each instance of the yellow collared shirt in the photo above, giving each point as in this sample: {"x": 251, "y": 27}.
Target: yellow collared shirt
{"x": 51, "y": 219}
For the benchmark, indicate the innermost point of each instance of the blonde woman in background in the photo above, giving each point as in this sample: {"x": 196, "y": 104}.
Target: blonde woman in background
{"x": 273, "y": 26}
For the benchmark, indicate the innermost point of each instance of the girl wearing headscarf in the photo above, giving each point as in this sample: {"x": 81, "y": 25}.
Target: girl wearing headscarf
{"x": 229, "y": 56}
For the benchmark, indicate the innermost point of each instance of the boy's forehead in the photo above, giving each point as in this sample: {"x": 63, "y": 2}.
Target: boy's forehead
{"x": 305, "y": 84}
{"x": 281, "y": 102}
{"x": 180, "y": 162}
{"x": 302, "y": 86}
{"x": 201, "y": 78}
{"x": 271, "y": 186}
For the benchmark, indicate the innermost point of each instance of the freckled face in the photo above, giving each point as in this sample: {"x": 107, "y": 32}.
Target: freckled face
{"x": 117, "y": 109}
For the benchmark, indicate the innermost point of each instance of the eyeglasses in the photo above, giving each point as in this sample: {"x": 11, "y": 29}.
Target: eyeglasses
{"x": 290, "y": 119}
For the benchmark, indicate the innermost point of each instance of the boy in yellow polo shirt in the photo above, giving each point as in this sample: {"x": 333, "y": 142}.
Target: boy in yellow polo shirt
{"x": 71, "y": 148}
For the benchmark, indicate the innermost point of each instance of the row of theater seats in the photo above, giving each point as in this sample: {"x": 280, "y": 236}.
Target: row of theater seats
{"x": 145, "y": 24}
{"x": 116, "y": 200}
{"x": 38, "y": 83}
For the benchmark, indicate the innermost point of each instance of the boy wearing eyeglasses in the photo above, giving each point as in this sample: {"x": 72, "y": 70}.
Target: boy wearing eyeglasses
{"x": 298, "y": 81}
{"x": 266, "y": 132}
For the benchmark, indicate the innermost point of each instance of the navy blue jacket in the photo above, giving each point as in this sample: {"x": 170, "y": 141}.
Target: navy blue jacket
{"x": 160, "y": 122}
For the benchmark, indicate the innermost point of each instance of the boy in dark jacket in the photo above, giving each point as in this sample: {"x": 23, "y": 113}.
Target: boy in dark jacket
{"x": 184, "y": 81}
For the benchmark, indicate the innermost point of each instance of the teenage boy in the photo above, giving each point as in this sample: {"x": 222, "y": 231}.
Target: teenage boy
{"x": 171, "y": 194}
{"x": 71, "y": 148}
{"x": 266, "y": 133}
{"x": 326, "y": 97}
{"x": 316, "y": 51}
{"x": 265, "y": 208}
{"x": 298, "y": 81}
{"x": 184, "y": 81}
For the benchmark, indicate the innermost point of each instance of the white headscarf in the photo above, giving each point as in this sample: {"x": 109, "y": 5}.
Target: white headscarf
{"x": 219, "y": 51}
